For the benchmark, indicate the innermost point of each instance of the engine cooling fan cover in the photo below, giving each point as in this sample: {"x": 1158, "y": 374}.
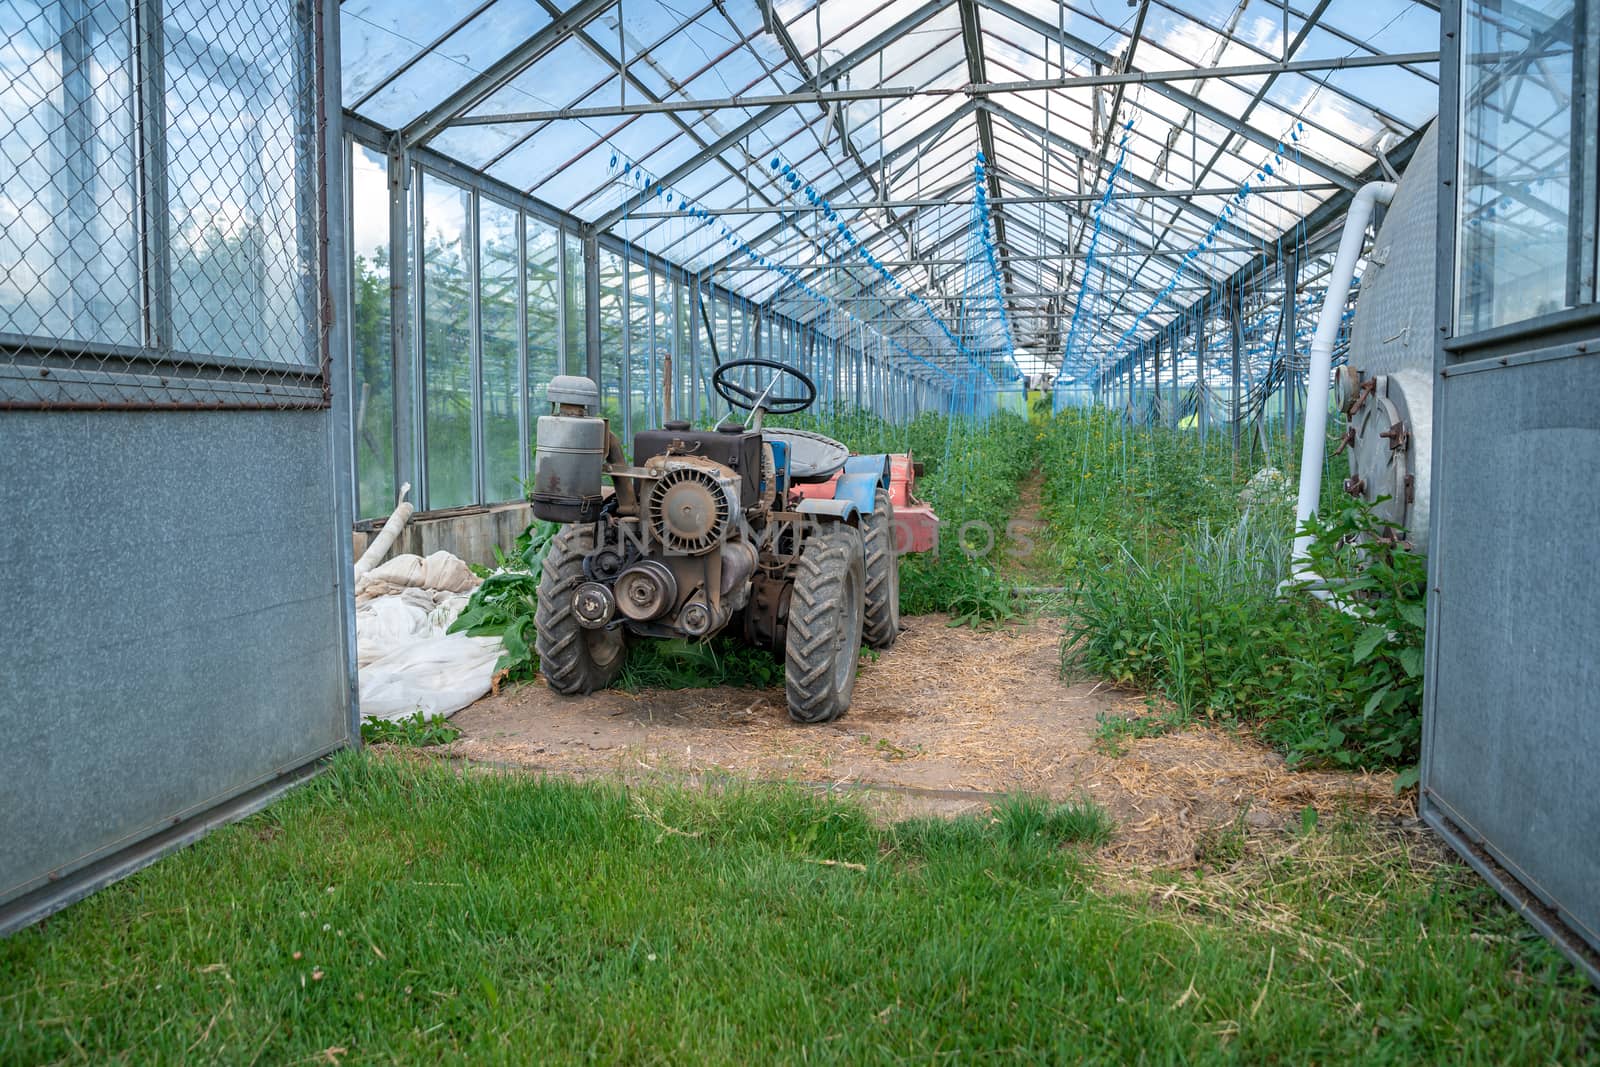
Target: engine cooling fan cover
{"x": 691, "y": 507}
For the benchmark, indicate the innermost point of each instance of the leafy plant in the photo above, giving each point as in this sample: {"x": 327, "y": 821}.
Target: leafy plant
{"x": 504, "y": 605}
{"x": 416, "y": 730}
{"x": 1380, "y": 589}
{"x": 1176, "y": 570}
{"x": 1111, "y": 731}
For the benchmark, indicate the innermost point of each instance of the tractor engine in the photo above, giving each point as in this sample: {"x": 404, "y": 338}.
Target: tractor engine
{"x": 672, "y": 556}
{"x": 682, "y": 565}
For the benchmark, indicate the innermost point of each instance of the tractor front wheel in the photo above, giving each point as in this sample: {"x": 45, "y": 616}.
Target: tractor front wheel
{"x": 824, "y": 637}
{"x": 881, "y": 576}
{"x": 572, "y": 658}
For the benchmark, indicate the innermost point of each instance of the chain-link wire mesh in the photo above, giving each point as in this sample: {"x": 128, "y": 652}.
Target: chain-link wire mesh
{"x": 160, "y": 204}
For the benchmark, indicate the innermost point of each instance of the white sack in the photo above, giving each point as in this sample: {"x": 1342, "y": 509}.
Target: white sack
{"x": 438, "y": 676}
{"x": 407, "y": 661}
{"x": 439, "y": 573}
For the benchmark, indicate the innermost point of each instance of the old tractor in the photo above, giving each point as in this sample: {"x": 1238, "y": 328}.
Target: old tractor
{"x": 778, "y": 536}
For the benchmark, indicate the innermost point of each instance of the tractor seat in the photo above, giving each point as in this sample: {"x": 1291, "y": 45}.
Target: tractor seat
{"x": 812, "y": 457}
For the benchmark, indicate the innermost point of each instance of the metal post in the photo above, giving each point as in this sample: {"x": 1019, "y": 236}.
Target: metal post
{"x": 1291, "y": 274}
{"x": 400, "y": 353}
{"x": 1156, "y": 377}
{"x": 475, "y": 349}
{"x": 150, "y": 132}
{"x": 1174, "y": 361}
{"x": 1235, "y": 330}
{"x": 1200, "y": 374}
{"x": 591, "y": 305}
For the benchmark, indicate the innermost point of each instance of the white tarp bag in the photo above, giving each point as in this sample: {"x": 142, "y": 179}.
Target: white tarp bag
{"x": 407, "y": 662}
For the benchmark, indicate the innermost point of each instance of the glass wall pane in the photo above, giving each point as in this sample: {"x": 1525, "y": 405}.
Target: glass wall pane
{"x": 69, "y": 261}
{"x": 544, "y": 312}
{"x": 498, "y": 249}
{"x": 640, "y": 329}
{"x": 1527, "y": 225}
{"x": 242, "y": 247}
{"x": 446, "y": 344}
{"x": 738, "y": 333}
{"x": 612, "y": 350}
{"x": 577, "y": 359}
{"x": 371, "y": 355}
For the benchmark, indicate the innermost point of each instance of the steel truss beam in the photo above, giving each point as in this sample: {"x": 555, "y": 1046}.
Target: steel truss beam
{"x": 972, "y": 37}
{"x": 932, "y": 133}
{"x": 1031, "y": 128}
{"x": 1049, "y": 257}
{"x": 1313, "y": 225}
{"x": 1210, "y": 112}
{"x": 824, "y": 99}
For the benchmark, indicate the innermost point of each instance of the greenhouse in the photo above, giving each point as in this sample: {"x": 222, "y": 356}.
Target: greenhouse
{"x": 789, "y": 529}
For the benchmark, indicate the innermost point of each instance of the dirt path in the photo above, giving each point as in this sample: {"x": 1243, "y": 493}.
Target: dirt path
{"x": 1026, "y": 557}
{"x": 947, "y": 721}
{"x": 943, "y": 722}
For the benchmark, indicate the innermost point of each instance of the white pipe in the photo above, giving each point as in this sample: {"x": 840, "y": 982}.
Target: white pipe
{"x": 1320, "y": 375}
{"x": 387, "y": 536}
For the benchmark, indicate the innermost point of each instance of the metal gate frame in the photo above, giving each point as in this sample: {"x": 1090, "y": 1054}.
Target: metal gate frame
{"x": 1501, "y": 823}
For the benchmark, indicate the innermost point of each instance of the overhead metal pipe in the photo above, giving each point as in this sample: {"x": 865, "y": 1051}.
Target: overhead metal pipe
{"x": 977, "y": 89}
{"x": 1054, "y": 198}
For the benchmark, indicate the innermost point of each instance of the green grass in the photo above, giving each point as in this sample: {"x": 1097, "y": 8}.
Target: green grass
{"x": 1112, "y": 731}
{"x": 391, "y": 911}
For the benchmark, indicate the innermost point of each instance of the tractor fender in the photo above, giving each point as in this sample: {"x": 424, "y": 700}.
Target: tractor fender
{"x": 839, "y": 509}
{"x": 876, "y": 465}
{"x": 858, "y": 488}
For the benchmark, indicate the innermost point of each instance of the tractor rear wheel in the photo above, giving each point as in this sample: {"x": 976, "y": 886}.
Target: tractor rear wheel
{"x": 824, "y": 637}
{"x": 881, "y": 576}
{"x": 572, "y": 658}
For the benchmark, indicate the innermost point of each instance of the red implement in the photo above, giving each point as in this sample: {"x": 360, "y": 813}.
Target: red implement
{"x": 916, "y": 526}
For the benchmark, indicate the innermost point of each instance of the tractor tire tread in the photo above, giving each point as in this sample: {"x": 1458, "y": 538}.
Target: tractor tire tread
{"x": 565, "y": 657}
{"x": 816, "y": 612}
{"x": 881, "y": 575}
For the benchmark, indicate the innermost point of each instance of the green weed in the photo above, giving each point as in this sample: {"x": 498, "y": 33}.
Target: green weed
{"x": 677, "y": 664}
{"x": 1176, "y": 573}
{"x": 416, "y": 730}
{"x": 1112, "y": 731}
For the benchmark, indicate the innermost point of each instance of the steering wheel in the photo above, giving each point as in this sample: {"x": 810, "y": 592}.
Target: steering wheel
{"x": 746, "y": 399}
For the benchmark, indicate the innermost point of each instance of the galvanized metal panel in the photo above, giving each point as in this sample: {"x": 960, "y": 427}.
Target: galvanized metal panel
{"x": 175, "y": 624}
{"x": 1513, "y": 715}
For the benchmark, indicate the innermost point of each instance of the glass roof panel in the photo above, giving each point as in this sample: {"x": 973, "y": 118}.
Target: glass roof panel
{"x": 459, "y": 57}
{"x": 557, "y": 79}
{"x": 1051, "y": 162}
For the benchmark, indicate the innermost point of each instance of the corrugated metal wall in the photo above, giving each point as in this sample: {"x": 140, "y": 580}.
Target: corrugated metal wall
{"x": 174, "y": 628}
